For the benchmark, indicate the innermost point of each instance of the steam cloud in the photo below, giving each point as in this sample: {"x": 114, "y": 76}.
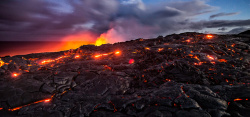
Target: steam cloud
{"x": 119, "y": 20}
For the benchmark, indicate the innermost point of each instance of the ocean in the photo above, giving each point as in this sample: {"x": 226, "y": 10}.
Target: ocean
{"x": 12, "y": 48}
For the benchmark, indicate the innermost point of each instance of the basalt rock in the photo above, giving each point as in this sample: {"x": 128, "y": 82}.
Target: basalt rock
{"x": 184, "y": 75}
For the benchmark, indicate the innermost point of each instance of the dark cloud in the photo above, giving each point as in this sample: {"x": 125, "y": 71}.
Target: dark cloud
{"x": 223, "y": 14}
{"x": 237, "y": 30}
{"x": 46, "y": 20}
{"x": 222, "y": 29}
{"x": 221, "y": 23}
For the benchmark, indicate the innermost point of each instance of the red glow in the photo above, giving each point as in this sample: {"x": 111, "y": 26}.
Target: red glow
{"x": 77, "y": 56}
{"x": 46, "y": 61}
{"x": 1, "y": 63}
{"x": 47, "y": 100}
{"x": 200, "y": 63}
{"x": 188, "y": 40}
{"x": 101, "y": 40}
{"x": 209, "y": 36}
{"x": 213, "y": 62}
{"x": 97, "y": 56}
{"x": 117, "y": 52}
{"x": 237, "y": 99}
{"x": 210, "y": 57}
{"x": 160, "y": 49}
{"x": 76, "y": 40}
{"x": 222, "y": 60}
{"x": 17, "y": 108}
{"x": 15, "y": 74}
{"x": 131, "y": 61}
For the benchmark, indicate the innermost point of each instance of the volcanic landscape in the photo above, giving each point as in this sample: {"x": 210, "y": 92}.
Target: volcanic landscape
{"x": 179, "y": 75}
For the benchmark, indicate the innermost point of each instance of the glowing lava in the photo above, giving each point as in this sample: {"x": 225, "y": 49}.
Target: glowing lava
{"x": 160, "y": 49}
{"x": 117, "y": 52}
{"x": 15, "y": 74}
{"x": 97, "y": 56}
{"x": 47, "y": 100}
{"x": 1, "y": 63}
{"x": 46, "y": 61}
{"x": 17, "y": 108}
{"x": 106, "y": 54}
{"x": 131, "y": 61}
{"x": 237, "y": 99}
{"x": 77, "y": 56}
{"x": 222, "y": 60}
{"x": 209, "y": 36}
{"x": 101, "y": 40}
{"x": 210, "y": 57}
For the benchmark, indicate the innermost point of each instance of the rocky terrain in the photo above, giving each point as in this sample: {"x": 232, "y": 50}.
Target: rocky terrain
{"x": 184, "y": 75}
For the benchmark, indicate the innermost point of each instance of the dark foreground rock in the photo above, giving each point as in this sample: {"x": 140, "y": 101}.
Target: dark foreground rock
{"x": 185, "y": 75}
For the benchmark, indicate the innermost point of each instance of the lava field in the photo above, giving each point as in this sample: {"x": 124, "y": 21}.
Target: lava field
{"x": 179, "y": 75}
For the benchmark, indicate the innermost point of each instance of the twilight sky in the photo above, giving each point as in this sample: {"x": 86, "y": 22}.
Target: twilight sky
{"x": 118, "y": 20}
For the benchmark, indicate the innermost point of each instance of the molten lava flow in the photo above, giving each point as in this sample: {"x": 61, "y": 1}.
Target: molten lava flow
{"x": 1, "y": 63}
{"x": 101, "y": 40}
{"x": 117, "y": 52}
{"x": 106, "y": 54}
{"x": 131, "y": 61}
{"x": 237, "y": 99}
{"x": 209, "y": 36}
{"x": 160, "y": 49}
{"x": 97, "y": 56}
{"x": 47, "y": 61}
{"x": 15, "y": 74}
{"x": 222, "y": 60}
{"x": 47, "y": 100}
{"x": 17, "y": 108}
{"x": 210, "y": 57}
{"x": 200, "y": 63}
{"x": 77, "y": 56}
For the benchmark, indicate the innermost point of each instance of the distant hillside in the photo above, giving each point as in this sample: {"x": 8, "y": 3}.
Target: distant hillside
{"x": 247, "y": 32}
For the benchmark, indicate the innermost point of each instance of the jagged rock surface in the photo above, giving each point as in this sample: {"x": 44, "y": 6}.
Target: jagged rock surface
{"x": 185, "y": 75}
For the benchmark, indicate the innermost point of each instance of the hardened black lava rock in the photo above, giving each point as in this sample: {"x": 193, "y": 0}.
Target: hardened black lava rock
{"x": 180, "y": 75}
